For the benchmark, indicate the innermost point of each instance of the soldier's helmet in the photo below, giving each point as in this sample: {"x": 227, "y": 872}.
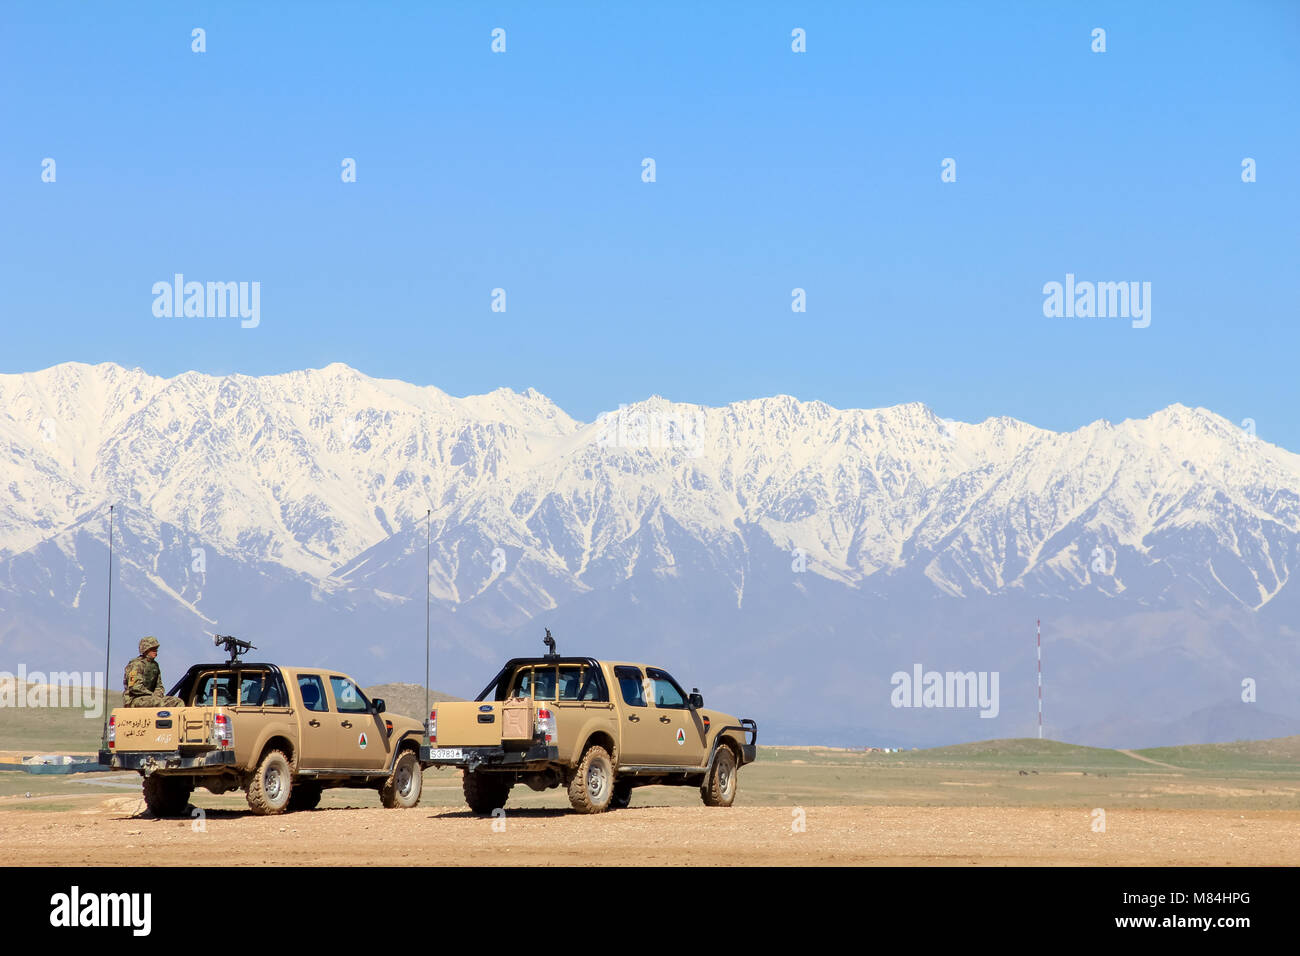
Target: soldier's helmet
{"x": 147, "y": 644}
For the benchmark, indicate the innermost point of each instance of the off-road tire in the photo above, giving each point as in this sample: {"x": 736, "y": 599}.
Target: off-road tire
{"x": 592, "y": 788}
{"x": 719, "y": 787}
{"x": 402, "y": 789}
{"x": 304, "y": 796}
{"x": 167, "y": 796}
{"x": 271, "y": 788}
{"x": 622, "y": 795}
{"x": 485, "y": 792}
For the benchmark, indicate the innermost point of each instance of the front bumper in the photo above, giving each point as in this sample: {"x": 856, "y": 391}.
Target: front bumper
{"x": 491, "y": 758}
{"x": 152, "y": 761}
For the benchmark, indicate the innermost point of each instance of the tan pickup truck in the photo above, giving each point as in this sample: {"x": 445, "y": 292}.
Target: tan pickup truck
{"x": 599, "y": 728}
{"x": 281, "y": 734}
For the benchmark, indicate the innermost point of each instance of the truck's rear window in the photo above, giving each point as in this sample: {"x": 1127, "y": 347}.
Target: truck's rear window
{"x": 261, "y": 689}
{"x": 215, "y": 689}
{"x": 576, "y": 682}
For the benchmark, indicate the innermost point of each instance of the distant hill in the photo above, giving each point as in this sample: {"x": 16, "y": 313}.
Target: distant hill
{"x": 406, "y": 699}
{"x": 1280, "y": 753}
{"x": 1220, "y": 723}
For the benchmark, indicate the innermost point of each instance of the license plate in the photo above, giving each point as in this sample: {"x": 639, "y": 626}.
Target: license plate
{"x": 449, "y": 753}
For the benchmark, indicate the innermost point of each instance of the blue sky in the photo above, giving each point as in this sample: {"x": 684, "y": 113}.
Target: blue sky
{"x": 775, "y": 170}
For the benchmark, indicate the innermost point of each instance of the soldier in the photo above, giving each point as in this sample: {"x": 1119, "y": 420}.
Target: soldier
{"x": 142, "y": 684}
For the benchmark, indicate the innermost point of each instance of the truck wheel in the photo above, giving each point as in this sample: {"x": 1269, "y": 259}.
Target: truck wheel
{"x": 272, "y": 784}
{"x": 304, "y": 796}
{"x": 485, "y": 792}
{"x": 592, "y": 787}
{"x": 719, "y": 788}
{"x": 622, "y": 795}
{"x": 167, "y": 796}
{"x": 402, "y": 788}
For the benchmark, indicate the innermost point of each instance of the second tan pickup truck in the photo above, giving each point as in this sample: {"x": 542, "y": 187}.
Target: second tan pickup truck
{"x": 598, "y": 728}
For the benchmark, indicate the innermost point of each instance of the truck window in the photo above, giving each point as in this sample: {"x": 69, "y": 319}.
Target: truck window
{"x": 629, "y": 682}
{"x": 570, "y": 682}
{"x": 252, "y": 688}
{"x": 579, "y": 682}
{"x": 523, "y": 683}
{"x": 348, "y": 698}
{"x": 666, "y": 692}
{"x": 544, "y": 683}
{"x": 275, "y": 694}
{"x": 260, "y": 689}
{"x": 535, "y": 682}
{"x": 215, "y": 690}
{"x": 313, "y": 693}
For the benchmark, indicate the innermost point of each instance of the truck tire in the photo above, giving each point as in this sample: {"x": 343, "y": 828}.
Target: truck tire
{"x": 401, "y": 790}
{"x": 304, "y": 796}
{"x": 485, "y": 792}
{"x": 719, "y": 787}
{"x": 622, "y": 795}
{"x": 592, "y": 788}
{"x": 167, "y": 796}
{"x": 272, "y": 785}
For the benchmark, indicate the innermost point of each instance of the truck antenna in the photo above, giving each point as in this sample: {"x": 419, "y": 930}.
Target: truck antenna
{"x": 108, "y": 641}
{"x": 428, "y": 586}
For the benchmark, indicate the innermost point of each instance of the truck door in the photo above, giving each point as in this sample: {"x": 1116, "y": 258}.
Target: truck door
{"x": 641, "y": 733}
{"x": 362, "y": 737}
{"x": 683, "y": 731}
{"x": 317, "y": 727}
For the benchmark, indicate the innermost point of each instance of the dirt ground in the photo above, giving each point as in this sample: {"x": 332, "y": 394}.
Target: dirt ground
{"x": 113, "y": 830}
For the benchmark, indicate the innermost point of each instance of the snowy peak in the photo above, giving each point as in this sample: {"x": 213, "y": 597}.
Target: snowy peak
{"x": 314, "y": 470}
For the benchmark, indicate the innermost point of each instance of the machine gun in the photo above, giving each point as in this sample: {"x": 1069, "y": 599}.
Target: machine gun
{"x": 234, "y": 647}
{"x": 550, "y": 643}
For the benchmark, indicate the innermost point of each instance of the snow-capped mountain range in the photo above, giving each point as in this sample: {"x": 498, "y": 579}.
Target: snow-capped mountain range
{"x": 784, "y": 555}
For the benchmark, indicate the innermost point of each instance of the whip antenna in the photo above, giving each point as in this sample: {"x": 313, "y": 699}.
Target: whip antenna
{"x": 428, "y": 539}
{"x": 108, "y": 641}
{"x": 1040, "y": 679}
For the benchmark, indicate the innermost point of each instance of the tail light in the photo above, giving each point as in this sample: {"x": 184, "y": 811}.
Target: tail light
{"x": 112, "y": 732}
{"x": 432, "y": 726}
{"x": 546, "y": 724}
{"x": 222, "y": 732}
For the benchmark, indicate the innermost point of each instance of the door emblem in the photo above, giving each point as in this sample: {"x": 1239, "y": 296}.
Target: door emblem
{"x": 361, "y": 741}
{"x": 681, "y": 737}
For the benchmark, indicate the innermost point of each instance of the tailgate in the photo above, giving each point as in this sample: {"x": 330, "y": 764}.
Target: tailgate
{"x": 468, "y": 724}
{"x": 138, "y": 729}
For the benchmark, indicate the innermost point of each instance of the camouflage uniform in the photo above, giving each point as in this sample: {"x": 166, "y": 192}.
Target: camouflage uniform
{"x": 142, "y": 684}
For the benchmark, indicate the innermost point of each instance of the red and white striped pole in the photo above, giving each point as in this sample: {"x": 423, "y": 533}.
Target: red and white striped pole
{"x": 1040, "y": 678}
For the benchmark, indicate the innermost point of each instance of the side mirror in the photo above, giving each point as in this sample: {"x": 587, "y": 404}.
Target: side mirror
{"x": 379, "y": 705}
{"x": 697, "y": 701}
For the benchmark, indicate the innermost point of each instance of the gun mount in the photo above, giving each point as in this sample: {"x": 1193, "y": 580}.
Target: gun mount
{"x": 234, "y": 647}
